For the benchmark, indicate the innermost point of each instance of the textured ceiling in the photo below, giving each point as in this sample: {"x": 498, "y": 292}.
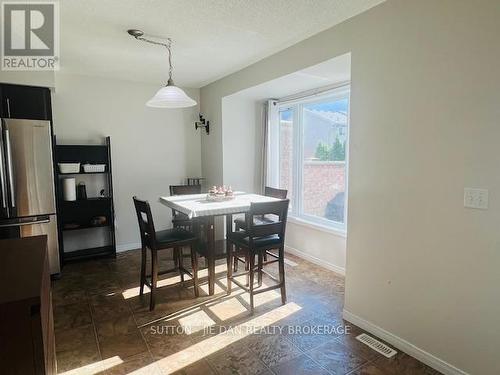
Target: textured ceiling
{"x": 212, "y": 38}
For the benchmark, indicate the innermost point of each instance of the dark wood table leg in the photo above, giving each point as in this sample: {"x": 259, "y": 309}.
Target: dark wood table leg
{"x": 211, "y": 254}
{"x": 229, "y": 230}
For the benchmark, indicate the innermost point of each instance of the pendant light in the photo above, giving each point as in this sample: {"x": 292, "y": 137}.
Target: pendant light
{"x": 169, "y": 96}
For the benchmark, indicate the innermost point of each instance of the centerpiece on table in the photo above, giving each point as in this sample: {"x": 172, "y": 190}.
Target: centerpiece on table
{"x": 220, "y": 193}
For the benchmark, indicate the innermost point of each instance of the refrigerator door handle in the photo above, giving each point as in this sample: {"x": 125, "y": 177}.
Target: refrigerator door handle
{"x": 2, "y": 182}
{"x": 2, "y": 173}
{"x": 24, "y": 223}
{"x": 10, "y": 169}
{"x": 8, "y": 107}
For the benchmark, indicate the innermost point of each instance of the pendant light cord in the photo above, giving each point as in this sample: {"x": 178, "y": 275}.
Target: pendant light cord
{"x": 168, "y": 46}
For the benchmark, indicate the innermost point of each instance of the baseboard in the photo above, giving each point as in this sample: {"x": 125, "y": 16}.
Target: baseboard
{"x": 403, "y": 345}
{"x": 317, "y": 261}
{"x": 127, "y": 246}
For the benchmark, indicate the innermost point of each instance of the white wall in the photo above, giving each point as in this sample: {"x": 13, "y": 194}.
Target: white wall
{"x": 42, "y": 78}
{"x": 424, "y": 124}
{"x": 151, "y": 148}
{"x": 323, "y": 247}
{"x": 241, "y": 143}
{"x": 211, "y": 144}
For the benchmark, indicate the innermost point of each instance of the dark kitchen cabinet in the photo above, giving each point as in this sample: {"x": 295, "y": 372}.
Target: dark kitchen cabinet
{"x": 25, "y": 102}
{"x": 27, "y": 339}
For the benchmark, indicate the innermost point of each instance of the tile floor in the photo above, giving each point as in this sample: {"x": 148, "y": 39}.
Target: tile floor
{"x": 104, "y": 327}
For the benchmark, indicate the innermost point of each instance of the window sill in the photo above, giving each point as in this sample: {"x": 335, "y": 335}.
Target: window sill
{"x": 316, "y": 226}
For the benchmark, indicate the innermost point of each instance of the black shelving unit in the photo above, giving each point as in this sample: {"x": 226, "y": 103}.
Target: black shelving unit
{"x": 79, "y": 213}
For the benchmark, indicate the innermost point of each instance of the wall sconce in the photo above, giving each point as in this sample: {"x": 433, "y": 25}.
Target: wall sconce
{"x": 202, "y": 123}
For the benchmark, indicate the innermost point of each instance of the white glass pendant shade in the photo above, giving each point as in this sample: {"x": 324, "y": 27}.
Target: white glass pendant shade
{"x": 170, "y": 96}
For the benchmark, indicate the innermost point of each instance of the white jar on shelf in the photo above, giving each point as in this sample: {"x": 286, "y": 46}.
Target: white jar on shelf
{"x": 69, "y": 189}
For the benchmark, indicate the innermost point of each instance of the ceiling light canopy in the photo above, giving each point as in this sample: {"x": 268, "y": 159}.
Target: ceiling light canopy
{"x": 169, "y": 96}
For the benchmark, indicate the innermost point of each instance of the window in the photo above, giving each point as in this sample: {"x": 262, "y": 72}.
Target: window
{"x": 308, "y": 155}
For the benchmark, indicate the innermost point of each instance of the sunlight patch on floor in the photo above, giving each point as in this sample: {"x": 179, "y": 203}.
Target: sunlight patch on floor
{"x": 133, "y": 292}
{"x": 212, "y": 344}
{"x": 195, "y": 322}
{"x": 171, "y": 280}
{"x": 96, "y": 367}
{"x": 262, "y": 298}
{"x": 228, "y": 309}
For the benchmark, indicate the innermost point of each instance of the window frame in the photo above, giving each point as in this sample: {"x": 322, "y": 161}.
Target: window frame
{"x": 297, "y": 105}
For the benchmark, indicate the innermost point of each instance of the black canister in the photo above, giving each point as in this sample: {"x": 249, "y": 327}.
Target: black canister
{"x": 81, "y": 191}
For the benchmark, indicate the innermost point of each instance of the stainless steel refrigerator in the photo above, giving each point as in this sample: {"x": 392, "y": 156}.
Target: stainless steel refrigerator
{"x": 27, "y": 194}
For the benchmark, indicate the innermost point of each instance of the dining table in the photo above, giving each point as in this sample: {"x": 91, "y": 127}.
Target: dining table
{"x": 203, "y": 211}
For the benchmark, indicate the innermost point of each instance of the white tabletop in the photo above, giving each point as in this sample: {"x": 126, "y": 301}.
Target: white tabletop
{"x": 196, "y": 205}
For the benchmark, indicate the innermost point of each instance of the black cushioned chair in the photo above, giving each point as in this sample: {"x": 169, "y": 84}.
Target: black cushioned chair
{"x": 268, "y": 192}
{"x": 256, "y": 240}
{"x": 175, "y": 239}
{"x": 240, "y": 223}
{"x": 178, "y": 218}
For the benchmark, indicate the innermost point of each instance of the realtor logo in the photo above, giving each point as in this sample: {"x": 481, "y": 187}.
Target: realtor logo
{"x": 30, "y": 36}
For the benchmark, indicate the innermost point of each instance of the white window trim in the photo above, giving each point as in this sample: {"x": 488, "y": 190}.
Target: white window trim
{"x": 317, "y": 226}
{"x": 296, "y": 214}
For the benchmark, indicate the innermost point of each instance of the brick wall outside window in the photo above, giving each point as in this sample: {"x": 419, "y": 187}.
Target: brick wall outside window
{"x": 323, "y": 180}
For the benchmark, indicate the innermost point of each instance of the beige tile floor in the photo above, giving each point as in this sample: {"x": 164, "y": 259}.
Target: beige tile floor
{"x": 104, "y": 327}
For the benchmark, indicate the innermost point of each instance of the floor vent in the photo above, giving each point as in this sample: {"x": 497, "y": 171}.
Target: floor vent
{"x": 376, "y": 345}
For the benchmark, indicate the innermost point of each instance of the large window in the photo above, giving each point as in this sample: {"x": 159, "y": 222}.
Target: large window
{"x": 308, "y": 155}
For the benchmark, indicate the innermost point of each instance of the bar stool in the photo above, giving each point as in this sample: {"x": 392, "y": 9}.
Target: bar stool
{"x": 240, "y": 223}
{"x": 258, "y": 239}
{"x": 155, "y": 241}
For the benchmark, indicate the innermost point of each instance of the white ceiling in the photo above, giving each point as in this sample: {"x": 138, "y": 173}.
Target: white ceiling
{"x": 326, "y": 74}
{"x": 212, "y": 38}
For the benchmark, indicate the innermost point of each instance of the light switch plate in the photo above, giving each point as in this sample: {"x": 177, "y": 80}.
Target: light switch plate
{"x": 476, "y": 198}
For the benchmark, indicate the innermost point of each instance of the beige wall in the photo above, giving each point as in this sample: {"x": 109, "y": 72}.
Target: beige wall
{"x": 424, "y": 124}
{"x": 151, "y": 148}
{"x": 211, "y": 144}
{"x": 241, "y": 143}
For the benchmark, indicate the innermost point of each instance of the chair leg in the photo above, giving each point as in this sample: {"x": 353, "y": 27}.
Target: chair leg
{"x": 230, "y": 256}
{"x": 259, "y": 269}
{"x": 251, "y": 276}
{"x": 281, "y": 264}
{"x": 180, "y": 263}
{"x": 154, "y": 278}
{"x": 143, "y": 270}
{"x": 247, "y": 264}
{"x": 235, "y": 264}
{"x": 175, "y": 257}
{"x": 194, "y": 270}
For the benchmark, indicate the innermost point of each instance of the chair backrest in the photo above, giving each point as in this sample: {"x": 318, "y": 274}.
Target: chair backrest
{"x": 275, "y": 193}
{"x": 146, "y": 223}
{"x": 278, "y": 208}
{"x": 185, "y": 189}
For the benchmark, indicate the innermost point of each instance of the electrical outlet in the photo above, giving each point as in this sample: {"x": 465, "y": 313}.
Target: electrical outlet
{"x": 476, "y": 198}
